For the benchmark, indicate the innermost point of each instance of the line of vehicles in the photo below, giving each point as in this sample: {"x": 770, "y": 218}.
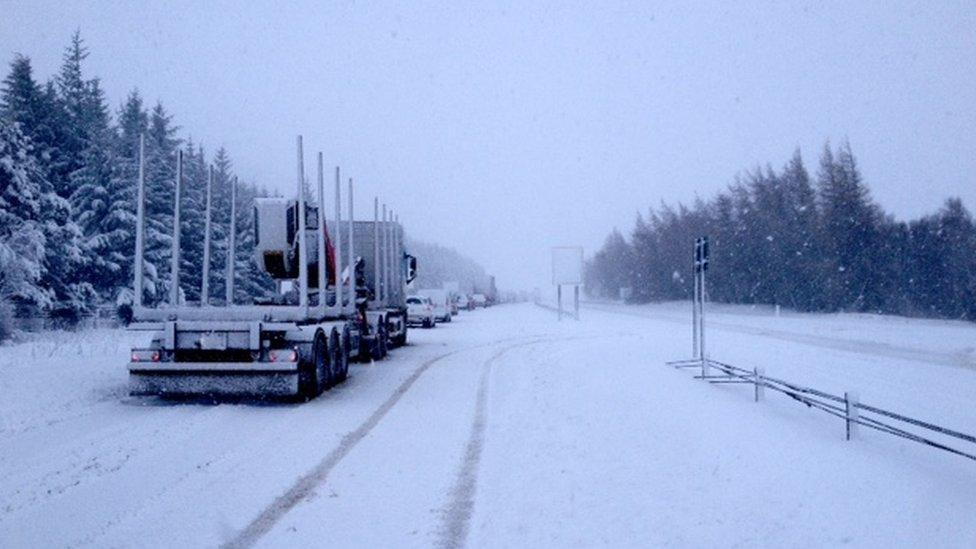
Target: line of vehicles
{"x": 427, "y": 307}
{"x": 341, "y": 296}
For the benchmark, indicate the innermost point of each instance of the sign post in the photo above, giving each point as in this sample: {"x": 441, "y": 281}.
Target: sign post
{"x": 567, "y": 269}
{"x": 699, "y": 297}
{"x": 701, "y": 265}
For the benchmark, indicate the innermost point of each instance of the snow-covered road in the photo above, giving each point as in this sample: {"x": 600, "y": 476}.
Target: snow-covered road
{"x": 504, "y": 428}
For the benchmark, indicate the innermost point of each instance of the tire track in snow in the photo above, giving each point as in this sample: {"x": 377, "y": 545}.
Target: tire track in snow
{"x": 457, "y": 514}
{"x": 305, "y": 486}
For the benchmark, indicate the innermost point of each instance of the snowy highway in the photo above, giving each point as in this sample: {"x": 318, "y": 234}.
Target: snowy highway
{"x": 503, "y": 428}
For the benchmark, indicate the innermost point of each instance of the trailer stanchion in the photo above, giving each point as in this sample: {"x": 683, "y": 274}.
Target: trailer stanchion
{"x": 140, "y": 225}
{"x": 302, "y": 240}
{"x": 174, "y": 289}
{"x": 389, "y": 260}
{"x": 352, "y": 257}
{"x": 205, "y": 283}
{"x": 323, "y": 263}
{"x": 377, "y": 290}
{"x": 231, "y": 242}
{"x": 384, "y": 280}
{"x": 397, "y": 260}
{"x": 340, "y": 298}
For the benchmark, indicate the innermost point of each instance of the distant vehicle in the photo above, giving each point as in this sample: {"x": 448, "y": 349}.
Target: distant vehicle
{"x": 463, "y": 302}
{"x": 480, "y": 300}
{"x": 420, "y": 312}
{"x": 441, "y": 301}
{"x": 453, "y": 288}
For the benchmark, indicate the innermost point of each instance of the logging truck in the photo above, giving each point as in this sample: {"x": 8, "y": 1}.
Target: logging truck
{"x": 341, "y": 296}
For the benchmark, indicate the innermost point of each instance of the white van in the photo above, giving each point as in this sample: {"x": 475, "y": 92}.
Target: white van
{"x": 441, "y": 299}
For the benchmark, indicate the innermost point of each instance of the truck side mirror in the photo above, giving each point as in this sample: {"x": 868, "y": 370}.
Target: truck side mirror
{"x": 411, "y": 268}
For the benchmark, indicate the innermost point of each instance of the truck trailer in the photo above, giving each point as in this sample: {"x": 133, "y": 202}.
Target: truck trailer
{"x": 334, "y": 303}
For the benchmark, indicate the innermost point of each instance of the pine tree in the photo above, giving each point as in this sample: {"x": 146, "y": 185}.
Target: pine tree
{"x": 22, "y": 100}
{"x": 74, "y": 95}
{"x": 943, "y": 264}
{"x": 22, "y": 241}
{"x": 90, "y": 203}
{"x": 802, "y": 258}
{"x": 250, "y": 281}
{"x": 610, "y": 267}
{"x": 25, "y": 103}
{"x": 192, "y": 208}
{"x": 850, "y": 233}
{"x": 105, "y": 201}
{"x": 220, "y": 222}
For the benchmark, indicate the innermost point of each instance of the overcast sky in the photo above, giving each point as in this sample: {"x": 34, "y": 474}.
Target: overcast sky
{"x": 503, "y": 130}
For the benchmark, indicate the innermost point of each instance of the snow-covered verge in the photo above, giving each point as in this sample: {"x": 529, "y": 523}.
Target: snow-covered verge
{"x": 923, "y": 368}
{"x": 49, "y": 377}
{"x": 504, "y": 428}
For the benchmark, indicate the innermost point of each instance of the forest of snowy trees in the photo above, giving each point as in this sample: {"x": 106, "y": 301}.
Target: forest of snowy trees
{"x": 439, "y": 264}
{"x": 781, "y": 237}
{"x": 68, "y": 170}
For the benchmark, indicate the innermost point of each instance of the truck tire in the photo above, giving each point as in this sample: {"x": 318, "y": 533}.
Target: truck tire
{"x": 313, "y": 375}
{"x": 401, "y": 339}
{"x": 378, "y": 351}
{"x": 385, "y": 341}
{"x": 340, "y": 357}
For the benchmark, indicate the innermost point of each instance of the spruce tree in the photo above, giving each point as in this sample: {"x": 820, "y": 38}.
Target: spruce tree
{"x": 25, "y": 103}
{"x": 22, "y": 240}
{"x": 193, "y": 204}
{"x": 802, "y": 255}
{"x": 74, "y": 96}
{"x": 220, "y": 221}
{"x": 250, "y": 281}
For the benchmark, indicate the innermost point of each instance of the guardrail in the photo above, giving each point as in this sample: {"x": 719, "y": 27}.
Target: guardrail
{"x": 845, "y": 407}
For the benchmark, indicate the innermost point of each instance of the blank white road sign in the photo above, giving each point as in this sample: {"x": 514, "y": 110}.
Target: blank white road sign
{"x": 567, "y": 265}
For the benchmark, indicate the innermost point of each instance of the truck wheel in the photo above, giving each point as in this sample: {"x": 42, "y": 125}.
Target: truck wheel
{"x": 345, "y": 341}
{"x": 339, "y": 358}
{"x": 385, "y": 341}
{"x": 401, "y": 339}
{"x": 378, "y": 351}
{"x": 313, "y": 374}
